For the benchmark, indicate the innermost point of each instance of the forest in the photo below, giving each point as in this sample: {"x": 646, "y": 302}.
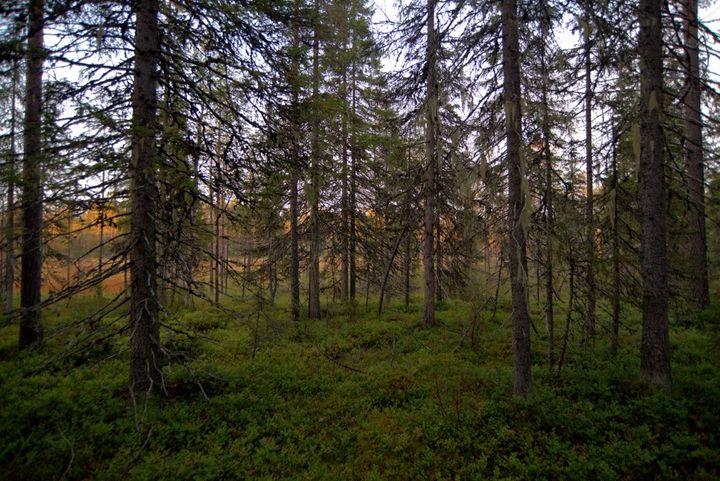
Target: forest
{"x": 359, "y": 240}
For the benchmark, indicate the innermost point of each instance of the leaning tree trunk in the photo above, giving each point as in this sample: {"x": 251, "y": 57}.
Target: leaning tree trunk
{"x": 694, "y": 164}
{"x": 431, "y": 113}
{"x": 31, "y": 331}
{"x": 145, "y": 373}
{"x": 655, "y": 345}
{"x": 518, "y": 207}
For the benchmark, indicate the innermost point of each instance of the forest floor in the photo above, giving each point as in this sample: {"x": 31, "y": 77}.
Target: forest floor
{"x": 355, "y": 396}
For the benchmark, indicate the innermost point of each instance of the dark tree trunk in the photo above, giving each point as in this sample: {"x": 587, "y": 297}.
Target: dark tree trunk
{"x": 101, "y": 213}
{"x": 568, "y": 318}
{"x": 431, "y": 122}
{"x": 614, "y": 334}
{"x": 314, "y": 274}
{"x": 295, "y": 166}
{"x": 589, "y": 200}
{"x": 294, "y": 253}
{"x": 145, "y": 369}
{"x": 522, "y": 375}
{"x": 694, "y": 164}
{"x": 655, "y": 346}
{"x": 549, "y": 226}
{"x": 344, "y": 214}
{"x": 353, "y": 188}
{"x": 10, "y": 219}
{"x": 31, "y": 330}
{"x": 438, "y": 261}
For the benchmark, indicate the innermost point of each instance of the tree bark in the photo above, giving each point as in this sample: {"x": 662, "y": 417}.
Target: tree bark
{"x": 294, "y": 253}
{"x": 101, "y": 213}
{"x": 294, "y": 179}
{"x": 31, "y": 329}
{"x": 518, "y": 215}
{"x": 353, "y": 185}
{"x": 694, "y": 163}
{"x": 145, "y": 368}
{"x": 614, "y": 334}
{"x": 438, "y": 261}
{"x": 10, "y": 219}
{"x": 589, "y": 199}
{"x": 344, "y": 214}
{"x": 314, "y": 274}
{"x": 655, "y": 345}
{"x": 549, "y": 227}
{"x": 431, "y": 121}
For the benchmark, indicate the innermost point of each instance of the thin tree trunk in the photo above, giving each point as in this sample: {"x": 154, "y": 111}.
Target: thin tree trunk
{"x": 518, "y": 208}
{"x": 614, "y": 335}
{"x": 211, "y": 247}
{"x": 353, "y": 185}
{"x": 216, "y": 221}
{"x": 655, "y": 344}
{"x": 31, "y": 330}
{"x": 68, "y": 260}
{"x": 438, "y": 262}
{"x": 408, "y": 268}
{"x": 294, "y": 253}
{"x": 589, "y": 199}
{"x": 388, "y": 268}
{"x": 431, "y": 121}
{"x": 694, "y": 163}
{"x": 295, "y": 165}
{"x": 145, "y": 368}
{"x": 568, "y": 318}
{"x": 10, "y": 219}
{"x": 99, "y": 288}
{"x": 225, "y": 249}
{"x": 344, "y": 214}
{"x": 549, "y": 226}
{"x": 314, "y": 271}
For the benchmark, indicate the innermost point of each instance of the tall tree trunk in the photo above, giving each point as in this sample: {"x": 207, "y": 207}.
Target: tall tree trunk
{"x": 294, "y": 176}
{"x": 615, "y": 252}
{"x": 438, "y": 262}
{"x": 10, "y": 219}
{"x": 294, "y": 252}
{"x": 655, "y": 345}
{"x": 145, "y": 368}
{"x": 353, "y": 185}
{"x": 549, "y": 226}
{"x": 694, "y": 163}
{"x": 431, "y": 121}
{"x": 344, "y": 214}
{"x": 68, "y": 260}
{"x": 589, "y": 199}
{"x": 101, "y": 213}
{"x": 518, "y": 208}
{"x": 31, "y": 330}
{"x": 408, "y": 238}
{"x": 314, "y": 274}
{"x": 211, "y": 247}
{"x": 570, "y": 310}
{"x": 408, "y": 269}
{"x": 217, "y": 249}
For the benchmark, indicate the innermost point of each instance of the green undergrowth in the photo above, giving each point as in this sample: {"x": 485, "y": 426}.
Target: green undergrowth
{"x": 354, "y": 396}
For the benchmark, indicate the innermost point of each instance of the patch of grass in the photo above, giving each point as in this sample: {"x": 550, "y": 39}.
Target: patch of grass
{"x": 355, "y": 397}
